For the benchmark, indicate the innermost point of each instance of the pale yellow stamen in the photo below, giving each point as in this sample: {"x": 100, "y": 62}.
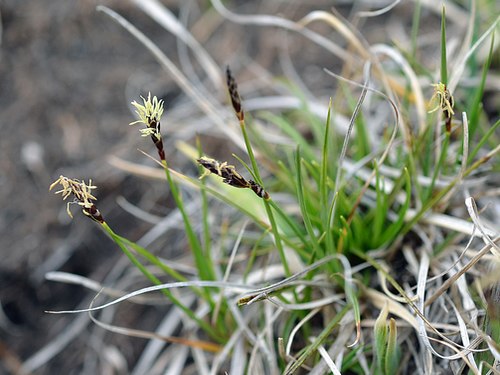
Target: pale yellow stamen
{"x": 444, "y": 97}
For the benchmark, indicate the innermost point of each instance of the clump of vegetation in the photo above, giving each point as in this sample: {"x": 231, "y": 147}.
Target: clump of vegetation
{"x": 348, "y": 249}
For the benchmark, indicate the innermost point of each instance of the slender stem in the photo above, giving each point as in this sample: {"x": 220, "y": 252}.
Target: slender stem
{"x": 269, "y": 211}
{"x": 201, "y": 323}
{"x": 204, "y": 265}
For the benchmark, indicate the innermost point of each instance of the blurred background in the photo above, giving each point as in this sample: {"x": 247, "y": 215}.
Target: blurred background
{"x": 67, "y": 75}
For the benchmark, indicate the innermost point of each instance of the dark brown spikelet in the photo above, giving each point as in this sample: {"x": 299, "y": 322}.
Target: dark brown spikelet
{"x": 446, "y": 112}
{"x": 93, "y": 213}
{"x": 234, "y": 94}
{"x": 231, "y": 177}
{"x": 259, "y": 190}
{"x": 155, "y": 125}
{"x": 227, "y": 172}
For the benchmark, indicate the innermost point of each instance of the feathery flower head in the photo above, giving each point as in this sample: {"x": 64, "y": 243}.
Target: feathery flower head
{"x": 445, "y": 99}
{"x": 149, "y": 114}
{"x": 82, "y": 195}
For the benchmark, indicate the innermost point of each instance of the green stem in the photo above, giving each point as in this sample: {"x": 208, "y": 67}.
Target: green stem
{"x": 204, "y": 325}
{"x": 203, "y": 264}
{"x": 269, "y": 211}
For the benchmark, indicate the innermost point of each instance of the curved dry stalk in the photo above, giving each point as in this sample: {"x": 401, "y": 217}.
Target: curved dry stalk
{"x": 71, "y": 278}
{"x": 267, "y": 20}
{"x": 261, "y": 293}
{"x": 379, "y": 12}
{"x": 416, "y": 88}
{"x": 204, "y": 345}
{"x": 340, "y": 26}
{"x": 474, "y": 215}
{"x": 448, "y": 283}
{"x": 460, "y": 64}
{"x": 199, "y": 283}
{"x": 181, "y": 80}
{"x": 167, "y": 19}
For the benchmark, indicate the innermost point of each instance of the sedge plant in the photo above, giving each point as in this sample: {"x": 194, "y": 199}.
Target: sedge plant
{"x": 332, "y": 218}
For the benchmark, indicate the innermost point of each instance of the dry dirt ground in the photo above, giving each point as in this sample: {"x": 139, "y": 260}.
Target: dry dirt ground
{"x": 64, "y": 70}
{"x": 67, "y": 75}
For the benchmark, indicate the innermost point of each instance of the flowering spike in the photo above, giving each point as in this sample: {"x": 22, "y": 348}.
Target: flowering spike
{"x": 150, "y": 112}
{"x": 234, "y": 94}
{"x": 230, "y": 176}
{"x": 82, "y": 195}
{"x": 446, "y": 102}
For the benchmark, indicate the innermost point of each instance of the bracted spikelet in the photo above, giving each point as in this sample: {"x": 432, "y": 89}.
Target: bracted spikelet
{"x": 230, "y": 176}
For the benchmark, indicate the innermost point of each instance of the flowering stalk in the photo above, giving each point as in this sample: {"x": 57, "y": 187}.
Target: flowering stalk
{"x": 240, "y": 115}
{"x": 82, "y": 196}
{"x": 150, "y": 114}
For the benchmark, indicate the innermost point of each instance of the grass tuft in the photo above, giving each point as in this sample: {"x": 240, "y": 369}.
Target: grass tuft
{"x": 340, "y": 245}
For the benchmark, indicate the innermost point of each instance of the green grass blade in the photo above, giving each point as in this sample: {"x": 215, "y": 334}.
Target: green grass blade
{"x": 444, "y": 65}
{"x": 203, "y": 264}
{"x": 201, "y": 323}
{"x": 380, "y": 209}
{"x": 476, "y": 104}
{"x": 295, "y": 136}
{"x": 392, "y": 354}
{"x": 393, "y": 230}
{"x": 482, "y": 142}
{"x": 380, "y": 335}
{"x": 151, "y": 258}
{"x": 323, "y": 182}
{"x": 246, "y": 166}
{"x": 415, "y": 27}
{"x": 438, "y": 166}
{"x": 289, "y": 221}
{"x": 207, "y": 238}
{"x": 299, "y": 184}
{"x": 274, "y": 228}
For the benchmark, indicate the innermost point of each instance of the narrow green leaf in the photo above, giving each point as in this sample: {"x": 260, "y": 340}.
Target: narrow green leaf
{"x": 323, "y": 186}
{"x": 476, "y": 106}
{"x": 415, "y": 27}
{"x": 201, "y": 323}
{"x": 438, "y": 167}
{"x": 393, "y": 230}
{"x": 203, "y": 264}
{"x": 392, "y": 354}
{"x": 380, "y": 209}
{"x": 487, "y": 136}
{"x": 444, "y": 65}
{"x": 317, "y": 252}
{"x": 380, "y": 334}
